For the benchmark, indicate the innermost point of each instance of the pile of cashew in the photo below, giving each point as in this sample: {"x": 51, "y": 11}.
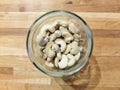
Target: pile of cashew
{"x": 60, "y": 47}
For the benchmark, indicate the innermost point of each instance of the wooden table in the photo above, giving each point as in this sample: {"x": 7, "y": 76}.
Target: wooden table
{"x": 18, "y": 73}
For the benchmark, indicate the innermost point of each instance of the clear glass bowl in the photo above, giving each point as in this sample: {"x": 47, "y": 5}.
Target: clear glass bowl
{"x": 86, "y": 41}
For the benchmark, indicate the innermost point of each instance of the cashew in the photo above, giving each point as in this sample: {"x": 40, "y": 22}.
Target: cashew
{"x": 61, "y": 43}
{"x": 55, "y": 35}
{"x": 55, "y": 23}
{"x": 46, "y": 28}
{"x": 77, "y": 37}
{"x": 44, "y": 56}
{"x": 65, "y": 33}
{"x": 43, "y": 41}
{"x": 77, "y": 56}
{"x": 39, "y": 39}
{"x": 59, "y": 55}
{"x": 75, "y": 48}
{"x": 68, "y": 49}
{"x": 49, "y": 59}
{"x": 62, "y": 22}
{"x": 49, "y": 64}
{"x": 49, "y": 51}
{"x": 56, "y": 61}
{"x": 55, "y": 47}
{"x": 73, "y": 28}
{"x": 71, "y": 60}
{"x": 43, "y": 32}
{"x": 47, "y": 36}
{"x": 64, "y": 62}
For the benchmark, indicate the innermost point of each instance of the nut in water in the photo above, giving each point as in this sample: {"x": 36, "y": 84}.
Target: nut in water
{"x": 61, "y": 50}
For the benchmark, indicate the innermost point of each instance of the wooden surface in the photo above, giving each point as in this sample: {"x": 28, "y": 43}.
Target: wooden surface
{"x": 18, "y": 73}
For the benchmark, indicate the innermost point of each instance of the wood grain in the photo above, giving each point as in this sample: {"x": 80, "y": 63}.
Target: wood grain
{"x": 18, "y": 73}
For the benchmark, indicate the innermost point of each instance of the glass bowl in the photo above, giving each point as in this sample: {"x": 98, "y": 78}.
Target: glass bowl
{"x": 86, "y": 41}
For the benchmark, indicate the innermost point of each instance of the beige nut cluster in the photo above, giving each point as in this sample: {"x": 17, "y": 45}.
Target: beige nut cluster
{"x": 60, "y": 47}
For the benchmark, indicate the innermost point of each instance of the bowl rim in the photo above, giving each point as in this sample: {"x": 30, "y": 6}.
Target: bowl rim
{"x": 90, "y": 39}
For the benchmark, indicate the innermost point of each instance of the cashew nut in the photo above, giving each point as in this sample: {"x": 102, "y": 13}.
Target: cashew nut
{"x": 43, "y": 41}
{"x": 68, "y": 49}
{"x": 49, "y": 64}
{"x": 55, "y": 23}
{"x": 71, "y": 60}
{"x": 46, "y": 28}
{"x": 55, "y": 47}
{"x": 55, "y": 35}
{"x": 73, "y": 28}
{"x": 77, "y": 37}
{"x": 62, "y": 44}
{"x": 62, "y": 22}
{"x": 65, "y": 33}
{"x": 77, "y": 56}
{"x": 75, "y": 48}
{"x": 49, "y": 59}
{"x": 49, "y": 51}
{"x": 56, "y": 61}
{"x": 44, "y": 56}
{"x": 39, "y": 38}
{"x": 58, "y": 58}
{"x": 47, "y": 36}
{"x": 59, "y": 55}
{"x": 43, "y": 32}
{"x": 64, "y": 62}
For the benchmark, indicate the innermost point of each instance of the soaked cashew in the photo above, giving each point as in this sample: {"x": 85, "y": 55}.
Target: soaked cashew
{"x": 58, "y": 58}
{"x": 43, "y": 41}
{"x": 55, "y": 47}
{"x": 44, "y": 56}
{"x": 59, "y": 55}
{"x": 73, "y": 28}
{"x": 69, "y": 47}
{"x": 62, "y": 22}
{"x": 62, "y": 44}
{"x": 71, "y": 60}
{"x": 75, "y": 48}
{"x": 56, "y": 61}
{"x": 55, "y": 35}
{"x": 64, "y": 62}
{"x": 46, "y": 28}
{"x": 49, "y": 58}
{"x": 43, "y": 32}
{"x": 77, "y": 56}
{"x": 49, "y": 51}
{"x": 49, "y": 64}
{"x": 66, "y": 34}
